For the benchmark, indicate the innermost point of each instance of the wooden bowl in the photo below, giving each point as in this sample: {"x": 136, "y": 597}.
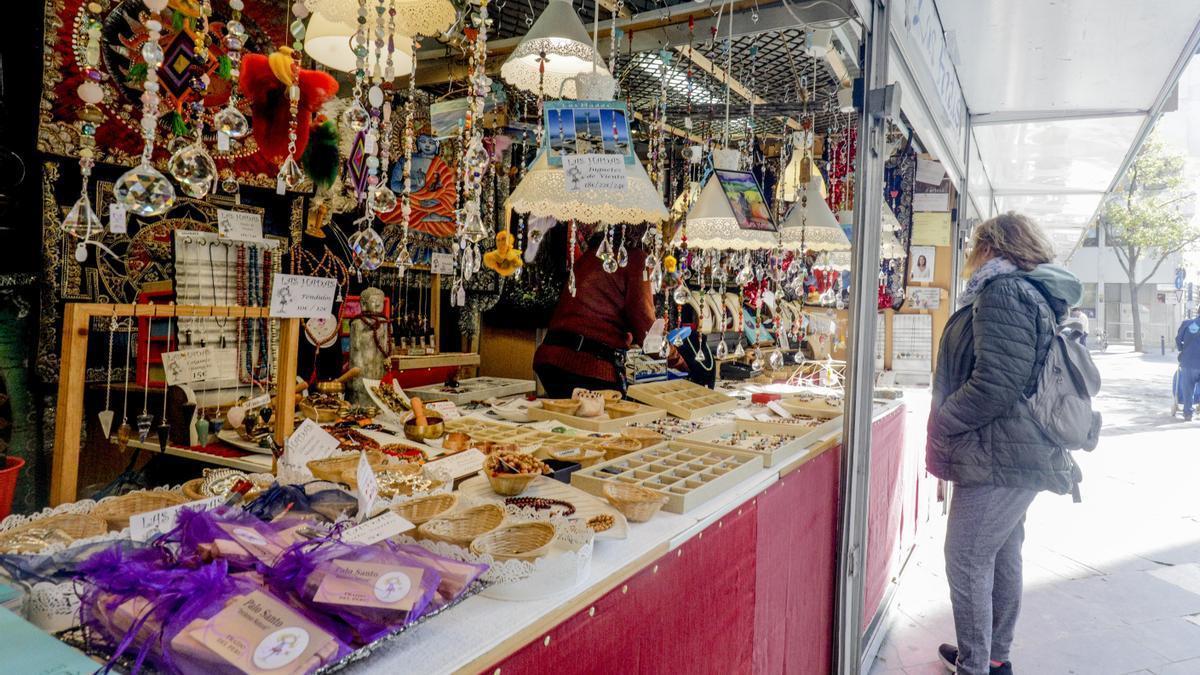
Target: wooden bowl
{"x": 433, "y": 429}
{"x": 563, "y": 406}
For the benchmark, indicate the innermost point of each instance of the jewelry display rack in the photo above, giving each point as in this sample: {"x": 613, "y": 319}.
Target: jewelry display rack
{"x": 77, "y": 318}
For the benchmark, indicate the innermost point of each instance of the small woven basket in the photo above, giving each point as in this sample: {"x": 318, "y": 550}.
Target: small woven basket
{"x": 620, "y": 446}
{"x": 639, "y": 504}
{"x": 522, "y": 541}
{"x": 510, "y": 484}
{"x": 117, "y": 511}
{"x": 645, "y": 437}
{"x": 191, "y": 489}
{"x": 344, "y": 468}
{"x": 564, "y": 406}
{"x": 618, "y": 409}
{"x": 584, "y": 456}
{"x": 462, "y": 527}
{"x": 424, "y": 509}
{"x": 74, "y": 525}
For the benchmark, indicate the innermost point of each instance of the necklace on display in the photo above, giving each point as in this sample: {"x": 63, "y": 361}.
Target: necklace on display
{"x": 125, "y": 432}
{"x": 106, "y": 415}
{"x": 163, "y": 428}
{"x": 697, "y": 349}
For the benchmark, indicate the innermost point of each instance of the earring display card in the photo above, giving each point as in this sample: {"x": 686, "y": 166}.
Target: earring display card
{"x": 683, "y": 399}
{"x": 603, "y": 423}
{"x": 773, "y": 441}
{"x": 687, "y": 474}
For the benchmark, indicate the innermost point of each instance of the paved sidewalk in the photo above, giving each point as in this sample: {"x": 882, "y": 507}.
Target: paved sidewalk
{"x": 1112, "y": 585}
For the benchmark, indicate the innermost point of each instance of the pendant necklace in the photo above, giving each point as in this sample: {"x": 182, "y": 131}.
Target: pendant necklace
{"x": 146, "y": 419}
{"x": 106, "y": 415}
{"x": 164, "y": 428}
{"x": 125, "y": 432}
{"x": 212, "y": 276}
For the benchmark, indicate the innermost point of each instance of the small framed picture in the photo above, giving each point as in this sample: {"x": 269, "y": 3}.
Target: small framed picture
{"x": 921, "y": 262}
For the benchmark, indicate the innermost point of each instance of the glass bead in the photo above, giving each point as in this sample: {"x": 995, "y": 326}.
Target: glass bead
{"x": 382, "y": 200}
{"x": 152, "y": 53}
{"x": 144, "y": 191}
{"x": 231, "y": 122}
{"x": 291, "y": 173}
{"x": 235, "y": 29}
{"x": 194, "y": 169}
{"x": 82, "y": 220}
{"x": 297, "y": 29}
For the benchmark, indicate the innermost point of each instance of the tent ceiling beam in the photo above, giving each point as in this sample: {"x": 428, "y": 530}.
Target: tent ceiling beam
{"x": 720, "y": 74}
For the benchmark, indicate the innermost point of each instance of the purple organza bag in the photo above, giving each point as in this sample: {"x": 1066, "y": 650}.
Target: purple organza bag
{"x": 227, "y": 534}
{"x": 456, "y": 575}
{"x": 360, "y": 593}
{"x": 185, "y": 620}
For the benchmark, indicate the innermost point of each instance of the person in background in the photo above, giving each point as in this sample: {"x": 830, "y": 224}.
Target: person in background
{"x": 982, "y": 438}
{"x": 1187, "y": 341}
{"x": 589, "y": 332}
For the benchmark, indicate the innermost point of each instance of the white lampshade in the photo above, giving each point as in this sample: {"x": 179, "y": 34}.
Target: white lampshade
{"x": 543, "y": 193}
{"x": 560, "y": 35}
{"x": 330, "y": 43}
{"x": 792, "y": 179}
{"x": 813, "y": 224}
{"x": 711, "y": 222}
{"x": 413, "y": 17}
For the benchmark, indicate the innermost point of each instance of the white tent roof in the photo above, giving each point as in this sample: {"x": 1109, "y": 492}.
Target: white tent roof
{"x": 1061, "y": 94}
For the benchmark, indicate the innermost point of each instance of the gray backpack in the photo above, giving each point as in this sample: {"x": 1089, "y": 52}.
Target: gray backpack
{"x": 1061, "y": 404}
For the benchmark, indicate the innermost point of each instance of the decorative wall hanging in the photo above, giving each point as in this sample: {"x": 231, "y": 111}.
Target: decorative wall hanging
{"x": 121, "y": 76}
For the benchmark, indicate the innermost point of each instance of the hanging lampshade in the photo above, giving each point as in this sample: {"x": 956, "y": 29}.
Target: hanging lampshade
{"x": 711, "y": 222}
{"x": 413, "y": 17}
{"x": 560, "y": 36}
{"x": 330, "y": 43}
{"x": 543, "y": 193}
{"x": 812, "y": 223}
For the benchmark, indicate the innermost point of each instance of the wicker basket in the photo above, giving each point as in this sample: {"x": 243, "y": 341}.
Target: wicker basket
{"x": 117, "y": 511}
{"x": 461, "y": 528}
{"x": 191, "y": 489}
{"x": 343, "y": 468}
{"x": 619, "y": 409}
{"x": 74, "y": 525}
{"x": 522, "y": 541}
{"x": 584, "y": 456}
{"x": 619, "y": 446}
{"x": 564, "y": 406}
{"x": 645, "y": 437}
{"x": 639, "y": 504}
{"x": 424, "y": 509}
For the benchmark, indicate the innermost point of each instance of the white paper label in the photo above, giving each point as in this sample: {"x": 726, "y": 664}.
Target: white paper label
{"x": 595, "y": 172}
{"x": 779, "y": 410}
{"x": 116, "y": 219}
{"x": 144, "y": 526}
{"x": 930, "y": 171}
{"x": 742, "y": 414}
{"x": 368, "y": 487}
{"x": 442, "y": 263}
{"x": 931, "y": 201}
{"x": 445, "y": 409}
{"x": 222, "y": 141}
{"x": 257, "y": 402}
{"x": 459, "y": 464}
{"x": 384, "y": 526}
{"x": 308, "y": 442}
{"x": 191, "y": 365}
{"x": 299, "y": 297}
{"x": 239, "y": 225}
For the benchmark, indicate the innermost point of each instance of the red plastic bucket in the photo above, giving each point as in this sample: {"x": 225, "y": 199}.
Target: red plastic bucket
{"x": 8, "y": 484}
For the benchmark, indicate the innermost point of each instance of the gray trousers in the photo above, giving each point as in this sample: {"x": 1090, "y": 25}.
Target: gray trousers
{"x": 983, "y": 565}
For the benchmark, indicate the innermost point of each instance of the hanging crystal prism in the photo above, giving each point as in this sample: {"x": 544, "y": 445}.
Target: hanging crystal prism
{"x": 106, "y": 420}
{"x": 681, "y": 294}
{"x": 202, "y": 429}
{"x": 610, "y": 264}
{"x": 757, "y": 363}
{"x": 722, "y": 349}
{"x": 739, "y": 351}
{"x": 356, "y": 116}
{"x": 382, "y": 199}
{"x": 124, "y": 433}
{"x": 144, "y": 191}
{"x": 230, "y": 121}
{"x": 776, "y": 359}
{"x": 81, "y": 220}
{"x": 368, "y": 248}
{"x": 194, "y": 169}
{"x": 744, "y": 275}
{"x": 656, "y": 280}
{"x": 622, "y": 255}
{"x": 290, "y": 173}
{"x": 144, "y": 422}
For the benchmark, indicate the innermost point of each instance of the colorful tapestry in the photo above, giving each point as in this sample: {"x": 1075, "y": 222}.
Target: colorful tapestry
{"x": 118, "y": 135}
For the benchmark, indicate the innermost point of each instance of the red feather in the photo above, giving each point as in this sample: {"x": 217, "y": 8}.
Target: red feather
{"x": 269, "y": 105}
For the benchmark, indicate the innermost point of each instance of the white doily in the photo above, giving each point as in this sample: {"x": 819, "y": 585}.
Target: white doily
{"x": 543, "y": 192}
{"x": 413, "y": 17}
{"x": 816, "y": 238}
{"x": 53, "y": 607}
{"x": 725, "y": 233}
{"x": 82, "y": 506}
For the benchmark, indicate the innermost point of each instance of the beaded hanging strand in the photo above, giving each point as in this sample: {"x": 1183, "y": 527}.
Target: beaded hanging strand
{"x": 403, "y": 255}
{"x": 191, "y": 165}
{"x": 290, "y": 174}
{"x": 82, "y": 220}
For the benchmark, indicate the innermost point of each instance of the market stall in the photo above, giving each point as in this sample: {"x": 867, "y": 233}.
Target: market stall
{"x": 409, "y": 335}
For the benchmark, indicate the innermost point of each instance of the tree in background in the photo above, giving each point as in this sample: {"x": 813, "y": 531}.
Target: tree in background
{"x": 1148, "y": 218}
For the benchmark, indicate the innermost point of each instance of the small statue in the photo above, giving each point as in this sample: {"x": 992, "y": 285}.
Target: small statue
{"x": 370, "y": 342}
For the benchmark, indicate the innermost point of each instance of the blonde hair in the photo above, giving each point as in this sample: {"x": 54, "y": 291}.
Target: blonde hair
{"x": 1013, "y": 237}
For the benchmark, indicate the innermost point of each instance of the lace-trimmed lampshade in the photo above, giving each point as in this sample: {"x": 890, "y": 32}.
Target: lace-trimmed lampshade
{"x": 710, "y": 221}
{"x": 560, "y": 35}
{"x": 413, "y": 17}
{"x": 812, "y": 223}
{"x": 329, "y": 43}
{"x": 543, "y": 193}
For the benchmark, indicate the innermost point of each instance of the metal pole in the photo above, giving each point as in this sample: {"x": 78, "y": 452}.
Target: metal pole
{"x": 964, "y": 203}
{"x": 856, "y": 445}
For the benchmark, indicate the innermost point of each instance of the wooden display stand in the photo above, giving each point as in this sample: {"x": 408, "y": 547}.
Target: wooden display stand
{"x": 77, "y": 318}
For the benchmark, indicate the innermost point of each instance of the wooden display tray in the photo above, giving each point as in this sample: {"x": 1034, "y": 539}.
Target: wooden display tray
{"x": 813, "y": 407}
{"x": 535, "y": 440}
{"x": 476, "y": 389}
{"x": 478, "y": 489}
{"x": 440, "y": 360}
{"x": 683, "y": 399}
{"x": 802, "y": 437}
{"x": 687, "y": 474}
{"x": 602, "y": 424}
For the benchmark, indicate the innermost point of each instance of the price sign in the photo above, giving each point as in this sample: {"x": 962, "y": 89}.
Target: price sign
{"x": 145, "y": 526}
{"x": 594, "y": 172}
{"x": 445, "y": 409}
{"x": 384, "y": 526}
{"x": 299, "y": 297}
{"x": 368, "y": 487}
{"x": 459, "y": 464}
{"x": 191, "y": 365}
{"x": 239, "y": 225}
{"x": 116, "y": 219}
{"x": 309, "y": 442}
{"x": 441, "y": 263}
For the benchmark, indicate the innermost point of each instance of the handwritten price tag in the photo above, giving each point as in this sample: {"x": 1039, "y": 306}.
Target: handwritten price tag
{"x": 187, "y": 366}
{"x": 441, "y": 263}
{"x": 368, "y": 487}
{"x": 299, "y": 297}
{"x": 445, "y": 409}
{"x": 308, "y": 442}
{"x": 239, "y": 225}
{"x": 145, "y": 526}
{"x": 595, "y": 172}
{"x": 458, "y": 465}
{"x": 384, "y": 526}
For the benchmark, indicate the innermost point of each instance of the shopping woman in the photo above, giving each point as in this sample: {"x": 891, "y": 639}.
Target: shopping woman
{"x": 983, "y": 439}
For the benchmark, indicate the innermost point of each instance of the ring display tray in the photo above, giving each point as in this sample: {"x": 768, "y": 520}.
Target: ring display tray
{"x": 773, "y": 441}
{"x": 687, "y": 474}
{"x": 473, "y": 389}
{"x": 603, "y": 423}
{"x": 683, "y": 399}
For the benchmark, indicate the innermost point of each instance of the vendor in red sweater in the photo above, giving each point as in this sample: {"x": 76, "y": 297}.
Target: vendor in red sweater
{"x": 589, "y": 332}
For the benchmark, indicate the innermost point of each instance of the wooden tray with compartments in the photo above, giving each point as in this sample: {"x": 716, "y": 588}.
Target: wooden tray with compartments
{"x": 687, "y": 474}
{"x": 812, "y": 407}
{"x": 603, "y": 423}
{"x": 773, "y": 441}
{"x": 683, "y": 399}
{"x": 535, "y": 440}
{"x": 474, "y": 389}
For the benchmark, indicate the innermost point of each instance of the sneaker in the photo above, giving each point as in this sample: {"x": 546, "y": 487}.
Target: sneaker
{"x": 948, "y": 654}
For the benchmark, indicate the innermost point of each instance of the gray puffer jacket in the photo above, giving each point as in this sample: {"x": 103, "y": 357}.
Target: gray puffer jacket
{"x": 980, "y": 431}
